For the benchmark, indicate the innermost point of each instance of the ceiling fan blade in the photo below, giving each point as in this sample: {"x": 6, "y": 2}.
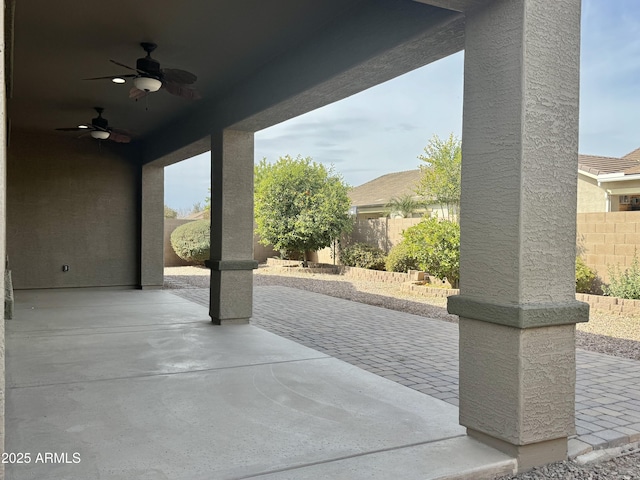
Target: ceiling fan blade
{"x": 181, "y": 91}
{"x": 110, "y": 77}
{"x": 72, "y": 129}
{"x": 119, "y": 137}
{"x": 121, "y": 131}
{"x": 176, "y": 75}
{"x": 137, "y": 94}
{"x": 125, "y": 66}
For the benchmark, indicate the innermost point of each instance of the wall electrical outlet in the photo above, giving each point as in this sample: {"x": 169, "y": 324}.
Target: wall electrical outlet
{"x": 65, "y": 268}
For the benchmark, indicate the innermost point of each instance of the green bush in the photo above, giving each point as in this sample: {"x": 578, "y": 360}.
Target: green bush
{"x": 436, "y": 246}
{"x": 363, "y": 255}
{"x": 170, "y": 212}
{"x": 624, "y": 284}
{"x": 191, "y": 241}
{"x": 586, "y": 277}
{"x": 400, "y": 259}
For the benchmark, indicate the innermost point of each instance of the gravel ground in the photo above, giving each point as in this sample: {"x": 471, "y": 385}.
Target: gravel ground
{"x": 605, "y": 333}
{"x": 623, "y": 467}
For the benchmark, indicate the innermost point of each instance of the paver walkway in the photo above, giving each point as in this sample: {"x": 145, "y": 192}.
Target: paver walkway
{"x": 422, "y": 354}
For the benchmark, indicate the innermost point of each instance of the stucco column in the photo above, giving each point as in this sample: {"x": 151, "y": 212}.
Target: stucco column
{"x": 231, "y": 259}
{"x": 517, "y": 303}
{"x": 9, "y": 9}
{"x": 152, "y": 227}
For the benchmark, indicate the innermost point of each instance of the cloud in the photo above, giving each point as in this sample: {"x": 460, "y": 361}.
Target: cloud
{"x": 377, "y": 131}
{"x": 609, "y": 73}
{"x": 384, "y": 128}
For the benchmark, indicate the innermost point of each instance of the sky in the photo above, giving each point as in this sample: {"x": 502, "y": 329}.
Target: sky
{"x": 385, "y": 128}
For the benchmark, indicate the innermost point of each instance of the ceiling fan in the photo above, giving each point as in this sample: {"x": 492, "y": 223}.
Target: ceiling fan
{"x": 99, "y": 129}
{"x": 149, "y": 77}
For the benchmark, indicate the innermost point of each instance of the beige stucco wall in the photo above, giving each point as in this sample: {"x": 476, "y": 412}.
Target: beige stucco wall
{"x": 72, "y": 202}
{"x": 151, "y": 226}
{"x": 591, "y": 198}
{"x": 3, "y": 184}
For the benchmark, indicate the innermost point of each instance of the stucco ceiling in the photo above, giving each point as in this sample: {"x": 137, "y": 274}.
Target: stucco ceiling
{"x": 57, "y": 44}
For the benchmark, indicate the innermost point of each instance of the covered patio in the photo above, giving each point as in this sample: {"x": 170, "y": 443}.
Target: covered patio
{"x": 139, "y": 384}
{"x": 83, "y": 214}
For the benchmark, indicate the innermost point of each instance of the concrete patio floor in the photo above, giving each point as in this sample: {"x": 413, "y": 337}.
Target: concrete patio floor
{"x": 140, "y": 385}
{"x": 422, "y": 353}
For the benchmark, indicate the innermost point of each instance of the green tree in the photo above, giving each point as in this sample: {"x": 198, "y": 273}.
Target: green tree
{"x": 170, "y": 212}
{"x": 435, "y": 245}
{"x": 300, "y": 205}
{"x": 440, "y": 182}
{"x": 404, "y": 205}
{"x": 197, "y": 207}
{"x": 207, "y": 201}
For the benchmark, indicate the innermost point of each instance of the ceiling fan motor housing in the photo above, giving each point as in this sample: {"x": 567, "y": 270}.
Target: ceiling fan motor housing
{"x": 100, "y": 122}
{"x": 149, "y": 66}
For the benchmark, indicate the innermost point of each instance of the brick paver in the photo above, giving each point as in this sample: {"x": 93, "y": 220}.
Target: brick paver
{"x": 422, "y": 354}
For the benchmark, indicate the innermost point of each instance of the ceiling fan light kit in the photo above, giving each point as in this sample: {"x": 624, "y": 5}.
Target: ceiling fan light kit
{"x": 100, "y": 135}
{"x": 147, "y": 84}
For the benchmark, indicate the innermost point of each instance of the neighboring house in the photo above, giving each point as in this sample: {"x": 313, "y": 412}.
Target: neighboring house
{"x": 608, "y": 184}
{"x": 370, "y": 200}
{"x": 605, "y": 184}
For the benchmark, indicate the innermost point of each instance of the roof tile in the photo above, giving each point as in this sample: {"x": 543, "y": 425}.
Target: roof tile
{"x": 597, "y": 165}
{"x": 635, "y": 155}
{"x": 379, "y": 191}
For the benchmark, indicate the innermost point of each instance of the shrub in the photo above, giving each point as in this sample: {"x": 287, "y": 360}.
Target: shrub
{"x": 191, "y": 241}
{"x": 435, "y": 244}
{"x": 586, "y": 277}
{"x": 626, "y": 284}
{"x": 400, "y": 259}
{"x": 363, "y": 255}
{"x": 170, "y": 212}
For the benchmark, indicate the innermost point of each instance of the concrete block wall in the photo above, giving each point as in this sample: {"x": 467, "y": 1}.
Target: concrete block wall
{"x": 605, "y": 240}
{"x": 381, "y": 232}
{"x": 397, "y": 226}
{"x": 262, "y": 252}
{"x": 170, "y": 257}
{"x": 374, "y": 275}
{"x": 621, "y": 306}
{"x": 349, "y": 272}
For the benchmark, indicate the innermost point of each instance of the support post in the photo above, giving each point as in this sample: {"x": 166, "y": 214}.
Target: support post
{"x": 152, "y": 227}
{"x": 231, "y": 260}
{"x": 4, "y": 141}
{"x": 517, "y": 302}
